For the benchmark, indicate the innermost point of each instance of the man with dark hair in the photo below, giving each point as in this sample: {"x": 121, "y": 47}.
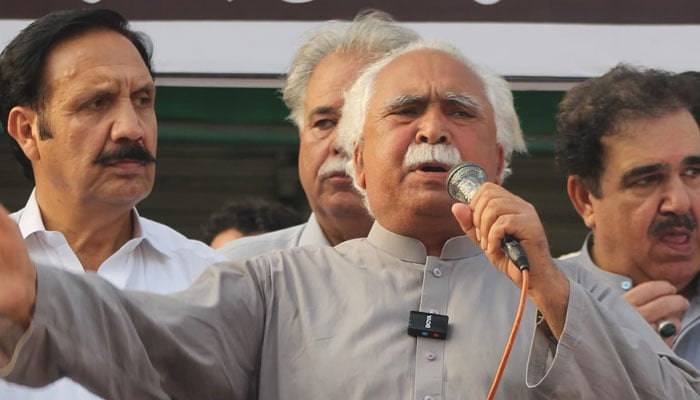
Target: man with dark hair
{"x": 247, "y": 217}
{"x": 322, "y": 322}
{"x": 631, "y": 150}
{"x": 77, "y": 101}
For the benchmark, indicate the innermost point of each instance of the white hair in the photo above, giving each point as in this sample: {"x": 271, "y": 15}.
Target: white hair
{"x": 370, "y": 35}
{"x": 508, "y": 132}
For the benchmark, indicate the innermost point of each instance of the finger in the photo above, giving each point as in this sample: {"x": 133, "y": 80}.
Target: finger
{"x": 463, "y": 215}
{"x": 493, "y": 203}
{"x": 648, "y": 291}
{"x": 668, "y": 335}
{"x": 663, "y": 308}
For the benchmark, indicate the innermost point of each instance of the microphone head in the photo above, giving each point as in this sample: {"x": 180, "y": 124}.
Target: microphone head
{"x": 464, "y": 180}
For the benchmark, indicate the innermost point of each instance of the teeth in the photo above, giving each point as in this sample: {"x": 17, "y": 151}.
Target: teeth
{"x": 675, "y": 238}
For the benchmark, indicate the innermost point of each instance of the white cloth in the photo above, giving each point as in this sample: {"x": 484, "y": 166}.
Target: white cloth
{"x": 687, "y": 343}
{"x": 304, "y": 234}
{"x": 158, "y": 259}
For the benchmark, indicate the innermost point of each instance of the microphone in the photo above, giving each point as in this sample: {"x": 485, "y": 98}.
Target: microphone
{"x": 463, "y": 181}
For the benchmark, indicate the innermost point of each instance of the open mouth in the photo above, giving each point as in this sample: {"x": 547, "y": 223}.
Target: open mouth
{"x": 335, "y": 174}
{"x": 432, "y": 168}
{"x": 674, "y": 236}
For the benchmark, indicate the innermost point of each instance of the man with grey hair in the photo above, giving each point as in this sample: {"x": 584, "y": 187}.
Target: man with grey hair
{"x": 321, "y": 322}
{"x": 322, "y": 69}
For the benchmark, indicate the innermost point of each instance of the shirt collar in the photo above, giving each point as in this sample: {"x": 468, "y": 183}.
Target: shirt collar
{"x": 312, "y": 233}
{"x": 413, "y": 250}
{"x": 31, "y": 221}
{"x": 622, "y": 282}
{"x": 147, "y": 231}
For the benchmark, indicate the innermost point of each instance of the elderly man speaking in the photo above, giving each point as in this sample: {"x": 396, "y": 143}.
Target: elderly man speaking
{"x": 331, "y": 322}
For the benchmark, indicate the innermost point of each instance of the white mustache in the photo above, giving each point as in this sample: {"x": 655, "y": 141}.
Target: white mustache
{"x": 332, "y": 166}
{"x": 427, "y": 153}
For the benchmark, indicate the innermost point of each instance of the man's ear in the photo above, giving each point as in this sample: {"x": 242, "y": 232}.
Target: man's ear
{"x": 23, "y": 126}
{"x": 581, "y": 197}
{"x": 359, "y": 162}
{"x": 501, "y": 165}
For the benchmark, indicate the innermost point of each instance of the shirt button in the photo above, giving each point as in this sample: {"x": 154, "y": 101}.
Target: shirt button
{"x": 437, "y": 272}
{"x": 428, "y": 397}
{"x": 626, "y": 285}
{"x": 430, "y": 356}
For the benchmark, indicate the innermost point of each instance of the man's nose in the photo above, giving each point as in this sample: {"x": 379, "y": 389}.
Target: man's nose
{"x": 433, "y": 128}
{"x": 127, "y": 124}
{"x": 676, "y": 197}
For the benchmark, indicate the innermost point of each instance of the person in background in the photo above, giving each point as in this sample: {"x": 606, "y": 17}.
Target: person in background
{"x": 630, "y": 147}
{"x": 321, "y": 322}
{"x": 77, "y": 101}
{"x": 246, "y": 217}
{"x": 325, "y": 65}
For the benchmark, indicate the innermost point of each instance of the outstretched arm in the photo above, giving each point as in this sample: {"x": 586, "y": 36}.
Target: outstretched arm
{"x": 202, "y": 343}
{"x": 17, "y": 280}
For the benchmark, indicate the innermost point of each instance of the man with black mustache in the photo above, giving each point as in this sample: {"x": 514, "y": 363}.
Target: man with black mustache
{"x": 631, "y": 150}
{"x": 77, "y": 99}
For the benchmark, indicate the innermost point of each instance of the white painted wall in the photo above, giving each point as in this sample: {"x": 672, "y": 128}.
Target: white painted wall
{"x": 512, "y": 49}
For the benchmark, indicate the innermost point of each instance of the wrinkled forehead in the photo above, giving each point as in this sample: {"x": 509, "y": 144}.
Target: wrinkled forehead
{"x": 428, "y": 73}
{"x": 672, "y": 139}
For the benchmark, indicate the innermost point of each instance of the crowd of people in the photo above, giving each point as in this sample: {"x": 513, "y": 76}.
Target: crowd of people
{"x": 99, "y": 302}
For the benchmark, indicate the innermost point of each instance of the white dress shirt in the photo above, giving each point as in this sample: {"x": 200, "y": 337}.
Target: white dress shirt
{"x": 157, "y": 259}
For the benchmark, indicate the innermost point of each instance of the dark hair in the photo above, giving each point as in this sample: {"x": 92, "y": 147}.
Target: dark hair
{"x": 250, "y": 215}
{"x": 22, "y": 60}
{"x": 597, "y": 107}
{"x": 689, "y": 84}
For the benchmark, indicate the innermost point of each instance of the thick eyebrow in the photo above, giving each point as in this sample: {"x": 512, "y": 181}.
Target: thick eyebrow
{"x": 643, "y": 170}
{"x": 322, "y": 110}
{"x": 400, "y": 101}
{"x": 653, "y": 168}
{"x": 691, "y": 160}
{"x": 465, "y": 100}
{"x": 148, "y": 88}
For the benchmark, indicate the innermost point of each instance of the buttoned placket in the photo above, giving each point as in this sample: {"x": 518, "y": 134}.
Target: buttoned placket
{"x": 430, "y": 362}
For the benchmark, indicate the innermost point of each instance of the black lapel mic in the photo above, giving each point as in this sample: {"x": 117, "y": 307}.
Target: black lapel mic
{"x": 463, "y": 181}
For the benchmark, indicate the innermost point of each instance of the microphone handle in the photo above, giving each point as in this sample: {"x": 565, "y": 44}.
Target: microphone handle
{"x": 515, "y": 252}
